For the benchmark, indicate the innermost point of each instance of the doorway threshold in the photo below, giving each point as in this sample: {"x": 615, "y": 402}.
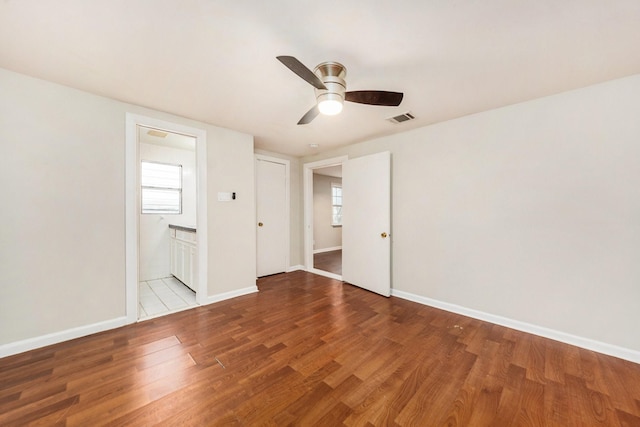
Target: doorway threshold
{"x": 325, "y": 273}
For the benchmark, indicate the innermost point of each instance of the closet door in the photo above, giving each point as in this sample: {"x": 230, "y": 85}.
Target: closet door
{"x": 271, "y": 217}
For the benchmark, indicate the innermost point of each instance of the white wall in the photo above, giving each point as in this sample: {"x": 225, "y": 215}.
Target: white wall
{"x": 324, "y": 234}
{"x": 62, "y": 240}
{"x": 231, "y": 232}
{"x": 529, "y": 212}
{"x": 154, "y": 254}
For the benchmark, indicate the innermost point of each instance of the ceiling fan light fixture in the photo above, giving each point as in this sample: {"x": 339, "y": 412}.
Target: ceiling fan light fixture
{"x": 332, "y": 75}
{"x": 329, "y": 105}
{"x": 328, "y": 79}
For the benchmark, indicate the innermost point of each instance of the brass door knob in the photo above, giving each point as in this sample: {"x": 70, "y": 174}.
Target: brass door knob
{"x": 383, "y": 235}
{"x": 260, "y": 224}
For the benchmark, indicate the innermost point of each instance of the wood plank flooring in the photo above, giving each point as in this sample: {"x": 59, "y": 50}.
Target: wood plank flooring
{"x": 330, "y": 261}
{"x": 307, "y": 350}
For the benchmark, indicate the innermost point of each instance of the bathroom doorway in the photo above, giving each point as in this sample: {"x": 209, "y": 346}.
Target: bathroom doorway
{"x": 167, "y": 222}
{"x": 166, "y": 239}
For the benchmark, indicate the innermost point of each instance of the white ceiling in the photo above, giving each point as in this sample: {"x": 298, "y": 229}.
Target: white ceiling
{"x": 214, "y": 61}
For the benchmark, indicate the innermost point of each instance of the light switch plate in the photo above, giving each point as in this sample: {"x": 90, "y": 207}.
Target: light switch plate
{"x": 224, "y": 196}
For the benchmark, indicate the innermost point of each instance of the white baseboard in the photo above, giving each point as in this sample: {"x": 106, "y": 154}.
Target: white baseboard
{"x": 295, "y": 268}
{"x": 69, "y": 334}
{"x": 319, "y": 251}
{"x": 231, "y": 294}
{"x": 589, "y": 344}
{"x": 57, "y": 337}
{"x": 586, "y": 343}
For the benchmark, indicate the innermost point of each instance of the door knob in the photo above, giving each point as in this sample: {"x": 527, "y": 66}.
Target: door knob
{"x": 383, "y": 235}
{"x": 260, "y": 224}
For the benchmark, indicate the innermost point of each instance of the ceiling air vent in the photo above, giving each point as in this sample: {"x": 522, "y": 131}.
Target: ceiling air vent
{"x": 156, "y": 133}
{"x": 404, "y": 117}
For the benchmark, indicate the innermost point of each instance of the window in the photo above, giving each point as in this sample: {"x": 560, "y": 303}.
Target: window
{"x": 336, "y": 202}
{"x": 161, "y": 188}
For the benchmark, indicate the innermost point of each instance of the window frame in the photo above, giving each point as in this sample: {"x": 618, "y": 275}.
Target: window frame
{"x": 177, "y": 190}
{"x": 334, "y": 205}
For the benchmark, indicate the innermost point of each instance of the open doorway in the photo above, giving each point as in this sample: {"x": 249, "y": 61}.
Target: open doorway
{"x": 166, "y": 227}
{"x": 167, "y": 223}
{"x": 327, "y": 219}
{"x": 366, "y": 242}
{"x": 322, "y": 212}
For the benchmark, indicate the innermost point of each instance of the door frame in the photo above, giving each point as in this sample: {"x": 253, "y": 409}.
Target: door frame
{"x": 307, "y": 178}
{"x": 132, "y": 206}
{"x": 287, "y": 219}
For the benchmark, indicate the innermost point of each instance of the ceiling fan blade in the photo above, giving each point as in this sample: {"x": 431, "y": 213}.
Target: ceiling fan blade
{"x": 301, "y": 70}
{"x": 375, "y": 97}
{"x": 311, "y": 114}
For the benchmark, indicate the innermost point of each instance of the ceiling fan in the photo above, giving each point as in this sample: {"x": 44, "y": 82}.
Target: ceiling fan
{"x": 330, "y": 87}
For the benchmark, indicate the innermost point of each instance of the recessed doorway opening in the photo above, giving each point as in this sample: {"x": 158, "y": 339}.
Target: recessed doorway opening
{"x": 166, "y": 238}
{"x": 167, "y": 222}
{"x": 323, "y": 225}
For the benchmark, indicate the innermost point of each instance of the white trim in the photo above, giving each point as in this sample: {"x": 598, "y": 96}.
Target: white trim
{"x": 586, "y": 343}
{"x": 58, "y": 337}
{"x": 319, "y": 251}
{"x": 295, "y": 268}
{"x": 202, "y": 215}
{"x": 307, "y": 186}
{"x": 82, "y": 331}
{"x": 231, "y": 294}
{"x": 131, "y": 218}
{"x": 132, "y": 207}
{"x": 287, "y": 173}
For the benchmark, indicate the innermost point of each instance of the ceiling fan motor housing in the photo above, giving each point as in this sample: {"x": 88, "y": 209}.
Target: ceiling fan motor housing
{"x": 332, "y": 75}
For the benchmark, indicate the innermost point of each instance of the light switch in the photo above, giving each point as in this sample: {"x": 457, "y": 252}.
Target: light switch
{"x": 224, "y": 196}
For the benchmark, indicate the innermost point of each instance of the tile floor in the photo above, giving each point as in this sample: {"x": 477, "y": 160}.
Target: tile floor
{"x": 164, "y": 296}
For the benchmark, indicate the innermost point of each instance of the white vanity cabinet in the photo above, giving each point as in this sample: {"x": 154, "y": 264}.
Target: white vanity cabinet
{"x": 183, "y": 254}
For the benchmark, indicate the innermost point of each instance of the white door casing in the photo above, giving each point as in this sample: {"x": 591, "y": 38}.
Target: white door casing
{"x": 272, "y": 215}
{"x": 132, "y": 206}
{"x": 366, "y": 222}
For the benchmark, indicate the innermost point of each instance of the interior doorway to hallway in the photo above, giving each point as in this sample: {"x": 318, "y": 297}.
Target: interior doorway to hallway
{"x": 322, "y": 213}
{"x": 366, "y": 220}
{"x": 327, "y": 219}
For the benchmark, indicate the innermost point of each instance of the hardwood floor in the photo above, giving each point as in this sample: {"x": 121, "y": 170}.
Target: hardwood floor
{"x": 308, "y": 350}
{"x": 329, "y": 261}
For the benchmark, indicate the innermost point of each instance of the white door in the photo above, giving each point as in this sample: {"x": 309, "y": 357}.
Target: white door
{"x": 366, "y": 222}
{"x": 271, "y": 216}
